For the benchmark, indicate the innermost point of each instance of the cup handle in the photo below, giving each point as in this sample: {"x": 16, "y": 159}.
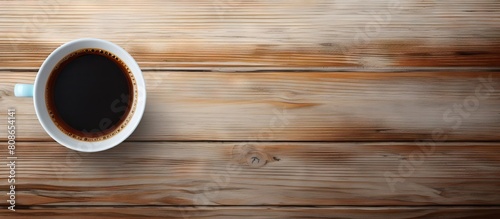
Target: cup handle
{"x": 23, "y": 90}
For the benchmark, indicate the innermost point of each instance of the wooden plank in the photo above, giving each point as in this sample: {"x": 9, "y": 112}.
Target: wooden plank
{"x": 258, "y": 212}
{"x": 197, "y": 173}
{"x": 300, "y": 106}
{"x": 302, "y": 33}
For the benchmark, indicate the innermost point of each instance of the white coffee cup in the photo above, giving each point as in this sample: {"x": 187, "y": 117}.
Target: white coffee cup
{"x": 37, "y": 91}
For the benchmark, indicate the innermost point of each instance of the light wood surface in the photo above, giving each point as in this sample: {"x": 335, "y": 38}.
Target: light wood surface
{"x": 271, "y": 109}
{"x": 301, "y": 106}
{"x": 239, "y": 33}
{"x": 195, "y": 173}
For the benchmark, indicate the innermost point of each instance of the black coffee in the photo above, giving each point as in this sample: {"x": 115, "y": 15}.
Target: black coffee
{"x": 90, "y": 94}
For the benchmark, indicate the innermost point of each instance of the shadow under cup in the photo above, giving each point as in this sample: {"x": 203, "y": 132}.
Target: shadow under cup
{"x": 91, "y": 95}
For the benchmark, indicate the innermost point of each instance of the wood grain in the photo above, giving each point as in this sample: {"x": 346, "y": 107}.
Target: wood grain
{"x": 300, "y": 106}
{"x": 258, "y": 212}
{"x": 239, "y": 33}
{"x": 271, "y": 109}
{"x": 292, "y": 174}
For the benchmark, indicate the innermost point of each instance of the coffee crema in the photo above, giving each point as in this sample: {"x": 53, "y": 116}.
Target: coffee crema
{"x": 91, "y": 94}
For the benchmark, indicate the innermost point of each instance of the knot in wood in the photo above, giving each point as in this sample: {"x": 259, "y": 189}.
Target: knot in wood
{"x": 256, "y": 159}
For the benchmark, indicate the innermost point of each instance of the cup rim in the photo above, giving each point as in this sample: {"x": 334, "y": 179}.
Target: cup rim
{"x": 41, "y": 108}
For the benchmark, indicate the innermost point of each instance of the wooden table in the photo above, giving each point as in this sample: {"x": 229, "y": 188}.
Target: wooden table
{"x": 270, "y": 109}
